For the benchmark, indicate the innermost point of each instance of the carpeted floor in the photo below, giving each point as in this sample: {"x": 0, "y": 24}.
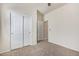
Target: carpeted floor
{"x": 42, "y": 49}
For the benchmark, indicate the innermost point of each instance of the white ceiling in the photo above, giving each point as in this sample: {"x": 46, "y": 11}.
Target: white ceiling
{"x": 42, "y": 7}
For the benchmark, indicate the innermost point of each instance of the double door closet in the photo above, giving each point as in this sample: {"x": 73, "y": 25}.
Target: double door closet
{"x": 20, "y": 30}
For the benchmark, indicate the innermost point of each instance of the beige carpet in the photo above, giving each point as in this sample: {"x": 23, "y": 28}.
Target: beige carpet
{"x": 42, "y": 49}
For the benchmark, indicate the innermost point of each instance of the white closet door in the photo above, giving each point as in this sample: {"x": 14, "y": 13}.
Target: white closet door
{"x": 16, "y": 30}
{"x": 27, "y": 30}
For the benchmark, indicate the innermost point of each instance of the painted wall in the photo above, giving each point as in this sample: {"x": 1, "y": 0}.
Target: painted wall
{"x": 5, "y": 29}
{"x": 0, "y": 24}
{"x": 63, "y": 26}
{"x": 34, "y": 27}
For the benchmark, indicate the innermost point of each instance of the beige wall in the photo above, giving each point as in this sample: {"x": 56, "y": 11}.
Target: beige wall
{"x": 63, "y": 26}
{"x": 5, "y": 29}
{"x": 0, "y": 25}
{"x": 34, "y": 29}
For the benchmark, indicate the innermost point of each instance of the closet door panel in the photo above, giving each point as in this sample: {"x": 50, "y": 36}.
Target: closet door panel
{"x": 27, "y": 30}
{"x": 16, "y": 30}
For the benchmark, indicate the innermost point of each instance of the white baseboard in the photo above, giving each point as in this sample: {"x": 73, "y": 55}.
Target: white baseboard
{"x": 4, "y": 51}
{"x": 64, "y": 46}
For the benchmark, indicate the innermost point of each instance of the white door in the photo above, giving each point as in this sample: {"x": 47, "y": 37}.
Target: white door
{"x": 16, "y": 30}
{"x": 27, "y": 30}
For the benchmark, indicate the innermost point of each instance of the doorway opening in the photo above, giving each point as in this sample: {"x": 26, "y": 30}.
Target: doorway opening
{"x": 42, "y": 28}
